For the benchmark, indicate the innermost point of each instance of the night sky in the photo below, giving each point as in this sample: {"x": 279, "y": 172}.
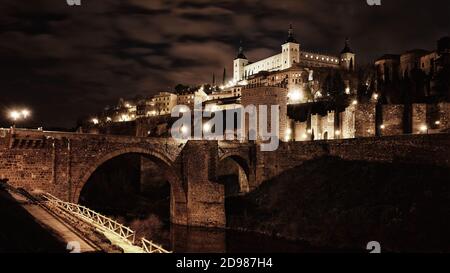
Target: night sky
{"x": 65, "y": 62}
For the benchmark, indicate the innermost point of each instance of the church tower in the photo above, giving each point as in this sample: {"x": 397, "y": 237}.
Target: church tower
{"x": 348, "y": 57}
{"x": 290, "y": 50}
{"x": 239, "y": 65}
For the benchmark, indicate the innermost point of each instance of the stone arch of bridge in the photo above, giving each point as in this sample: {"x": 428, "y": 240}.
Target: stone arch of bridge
{"x": 178, "y": 210}
{"x": 245, "y": 183}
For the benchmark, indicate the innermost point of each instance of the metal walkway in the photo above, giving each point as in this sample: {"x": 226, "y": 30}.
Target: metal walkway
{"x": 117, "y": 233}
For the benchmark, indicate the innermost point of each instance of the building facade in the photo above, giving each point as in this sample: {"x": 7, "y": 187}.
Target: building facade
{"x": 291, "y": 53}
{"x": 416, "y": 71}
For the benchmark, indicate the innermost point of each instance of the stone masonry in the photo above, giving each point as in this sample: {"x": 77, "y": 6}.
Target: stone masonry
{"x": 61, "y": 163}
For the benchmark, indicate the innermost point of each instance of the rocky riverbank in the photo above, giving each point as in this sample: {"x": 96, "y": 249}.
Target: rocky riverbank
{"x": 334, "y": 203}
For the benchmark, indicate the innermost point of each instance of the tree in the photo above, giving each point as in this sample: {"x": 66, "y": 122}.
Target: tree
{"x": 337, "y": 91}
{"x": 224, "y": 76}
{"x": 180, "y": 88}
{"x": 442, "y": 82}
{"x": 362, "y": 91}
{"x": 308, "y": 93}
{"x": 334, "y": 87}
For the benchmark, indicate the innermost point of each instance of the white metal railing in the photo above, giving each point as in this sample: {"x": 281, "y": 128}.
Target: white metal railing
{"x": 102, "y": 222}
{"x": 150, "y": 247}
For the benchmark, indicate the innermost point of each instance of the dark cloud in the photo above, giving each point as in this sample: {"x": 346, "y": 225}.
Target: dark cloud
{"x": 65, "y": 62}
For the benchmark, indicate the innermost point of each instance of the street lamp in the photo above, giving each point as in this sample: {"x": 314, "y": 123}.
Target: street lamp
{"x": 16, "y": 115}
{"x": 25, "y": 113}
{"x": 424, "y": 129}
{"x": 337, "y": 133}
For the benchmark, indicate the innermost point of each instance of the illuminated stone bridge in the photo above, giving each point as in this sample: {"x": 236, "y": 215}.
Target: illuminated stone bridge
{"x": 62, "y": 163}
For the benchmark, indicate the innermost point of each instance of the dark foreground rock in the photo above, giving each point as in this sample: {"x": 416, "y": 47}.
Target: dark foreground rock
{"x": 345, "y": 204}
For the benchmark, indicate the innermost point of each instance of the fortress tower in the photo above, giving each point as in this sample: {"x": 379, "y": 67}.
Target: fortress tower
{"x": 290, "y": 50}
{"x": 347, "y": 57}
{"x": 239, "y": 66}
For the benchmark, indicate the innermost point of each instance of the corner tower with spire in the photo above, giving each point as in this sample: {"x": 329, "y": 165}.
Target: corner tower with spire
{"x": 239, "y": 65}
{"x": 290, "y": 50}
{"x": 347, "y": 57}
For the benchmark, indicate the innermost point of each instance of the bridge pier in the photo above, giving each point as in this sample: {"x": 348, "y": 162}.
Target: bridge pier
{"x": 205, "y": 198}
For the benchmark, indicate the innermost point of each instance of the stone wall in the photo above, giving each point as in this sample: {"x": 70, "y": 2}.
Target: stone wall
{"x": 419, "y": 117}
{"x": 415, "y": 149}
{"x": 158, "y": 126}
{"x": 347, "y": 122}
{"x": 365, "y": 120}
{"x": 444, "y": 117}
{"x": 267, "y": 95}
{"x": 322, "y": 127}
{"x": 359, "y": 120}
{"x": 301, "y": 131}
{"x": 112, "y": 128}
{"x": 392, "y": 123}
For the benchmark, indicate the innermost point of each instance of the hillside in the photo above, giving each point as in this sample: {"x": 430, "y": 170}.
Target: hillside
{"x": 345, "y": 204}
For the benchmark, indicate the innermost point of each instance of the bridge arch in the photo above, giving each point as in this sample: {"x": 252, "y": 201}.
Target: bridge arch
{"x": 178, "y": 210}
{"x": 244, "y": 170}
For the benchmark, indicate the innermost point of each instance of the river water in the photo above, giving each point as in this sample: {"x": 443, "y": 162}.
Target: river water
{"x": 182, "y": 239}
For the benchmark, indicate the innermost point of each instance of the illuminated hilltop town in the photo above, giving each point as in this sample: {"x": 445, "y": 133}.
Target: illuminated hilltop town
{"x": 320, "y": 96}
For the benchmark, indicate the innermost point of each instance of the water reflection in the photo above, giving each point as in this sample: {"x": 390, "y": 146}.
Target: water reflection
{"x": 181, "y": 239}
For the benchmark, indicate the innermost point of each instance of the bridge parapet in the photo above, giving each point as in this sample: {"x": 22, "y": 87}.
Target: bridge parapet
{"x": 25, "y": 138}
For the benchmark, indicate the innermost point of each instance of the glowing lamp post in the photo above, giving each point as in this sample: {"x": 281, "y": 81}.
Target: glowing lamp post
{"x": 337, "y": 133}
{"x": 14, "y": 115}
{"x": 17, "y": 115}
{"x": 288, "y": 134}
{"x": 25, "y": 113}
{"x": 424, "y": 129}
